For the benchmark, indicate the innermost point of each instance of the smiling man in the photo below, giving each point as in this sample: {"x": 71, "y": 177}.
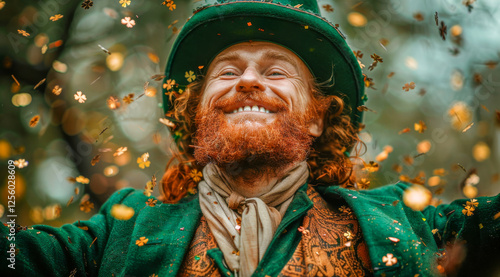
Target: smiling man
{"x": 263, "y": 185}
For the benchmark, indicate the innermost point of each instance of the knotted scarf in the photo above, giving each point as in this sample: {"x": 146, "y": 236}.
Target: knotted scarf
{"x": 244, "y": 227}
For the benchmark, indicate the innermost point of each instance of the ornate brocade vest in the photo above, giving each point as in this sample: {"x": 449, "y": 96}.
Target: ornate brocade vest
{"x": 332, "y": 245}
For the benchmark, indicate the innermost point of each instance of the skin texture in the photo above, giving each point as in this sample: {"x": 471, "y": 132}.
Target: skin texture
{"x": 276, "y": 79}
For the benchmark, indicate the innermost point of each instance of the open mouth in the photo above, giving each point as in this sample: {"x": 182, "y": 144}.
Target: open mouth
{"x": 250, "y": 106}
{"x": 251, "y": 109}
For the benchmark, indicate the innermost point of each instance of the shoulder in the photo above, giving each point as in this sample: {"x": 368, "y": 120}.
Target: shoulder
{"x": 394, "y": 191}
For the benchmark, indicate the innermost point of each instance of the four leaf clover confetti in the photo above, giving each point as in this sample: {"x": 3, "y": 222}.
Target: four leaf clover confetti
{"x": 190, "y": 76}
{"x": 141, "y": 241}
{"x": 124, "y": 3}
{"x": 86, "y": 206}
{"x": 420, "y": 126}
{"x": 56, "y": 17}
{"x": 87, "y": 4}
{"x": 34, "y": 121}
{"x": 21, "y": 163}
{"x": 170, "y": 4}
{"x": 196, "y": 175}
{"x": 82, "y": 180}
{"x": 57, "y": 90}
{"x": 409, "y": 86}
{"x": 24, "y": 33}
{"x": 128, "y": 22}
{"x": 389, "y": 259}
{"x": 328, "y": 8}
{"x": 142, "y": 161}
{"x": 80, "y": 97}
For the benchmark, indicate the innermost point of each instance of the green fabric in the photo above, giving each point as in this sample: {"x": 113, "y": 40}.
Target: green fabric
{"x": 46, "y": 251}
{"x": 315, "y": 40}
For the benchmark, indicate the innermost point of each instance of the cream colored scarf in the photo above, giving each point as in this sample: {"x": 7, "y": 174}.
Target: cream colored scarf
{"x": 244, "y": 228}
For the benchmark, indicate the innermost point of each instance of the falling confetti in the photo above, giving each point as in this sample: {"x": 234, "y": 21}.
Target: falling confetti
{"x": 87, "y": 4}
{"x": 190, "y": 76}
{"x": 420, "y": 127}
{"x": 80, "y": 97}
{"x": 57, "y": 90}
{"x": 122, "y": 212}
{"x": 141, "y": 241}
{"x": 142, "y": 161}
{"x": 128, "y": 22}
{"x": 409, "y": 86}
{"x": 21, "y": 163}
{"x": 124, "y": 3}
{"x": 196, "y": 175}
{"x": 56, "y": 17}
{"x": 24, "y": 33}
{"x": 34, "y": 121}
{"x": 120, "y": 151}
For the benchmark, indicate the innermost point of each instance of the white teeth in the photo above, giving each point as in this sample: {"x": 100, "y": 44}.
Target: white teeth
{"x": 251, "y": 109}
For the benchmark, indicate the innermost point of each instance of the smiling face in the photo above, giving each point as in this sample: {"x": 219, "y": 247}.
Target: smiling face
{"x": 255, "y": 109}
{"x": 268, "y": 70}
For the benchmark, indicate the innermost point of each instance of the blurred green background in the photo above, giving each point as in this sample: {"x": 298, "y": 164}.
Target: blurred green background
{"x": 455, "y": 93}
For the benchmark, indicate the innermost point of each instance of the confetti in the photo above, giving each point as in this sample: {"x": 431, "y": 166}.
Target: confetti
{"x": 104, "y": 49}
{"x": 190, "y": 76}
{"x": 151, "y": 202}
{"x": 120, "y": 151}
{"x": 496, "y": 216}
{"x": 418, "y": 16}
{"x": 409, "y": 86}
{"x": 328, "y": 8}
{"x": 93, "y": 242}
{"x": 57, "y": 90}
{"x": 124, "y": 3}
{"x": 95, "y": 159}
{"x": 56, "y": 17}
{"x": 21, "y": 163}
{"x": 39, "y": 83}
{"x": 420, "y": 127}
{"x": 170, "y": 4}
{"x": 70, "y": 201}
{"x": 87, "y": 4}
{"x": 122, "y": 212}
{"x": 404, "y": 131}
{"x": 80, "y": 97}
{"x": 142, "y": 161}
{"x": 196, "y": 175}
{"x": 82, "y": 180}
{"x": 129, "y": 98}
{"x": 34, "y": 121}
{"x": 389, "y": 259}
{"x": 443, "y": 30}
{"x": 393, "y": 239}
{"x": 417, "y": 197}
{"x": 467, "y": 127}
{"x": 141, "y": 241}
{"x": 128, "y": 22}
{"x": 15, "y": 80}
{"x": 24, "y": 33}
{"x": 371, "y": 166}
{"x": 86, "y": 206}
{"x": 170, "y": 84}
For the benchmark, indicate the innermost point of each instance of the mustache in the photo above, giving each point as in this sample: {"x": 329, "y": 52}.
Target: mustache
{"x": 277, "y": 104}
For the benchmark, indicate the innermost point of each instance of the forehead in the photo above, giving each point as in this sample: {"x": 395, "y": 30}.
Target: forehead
{"x": 259, "y": 52}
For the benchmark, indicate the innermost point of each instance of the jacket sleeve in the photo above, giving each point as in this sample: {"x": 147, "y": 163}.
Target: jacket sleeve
{"x": 71, "y": 250}
{"x": 476, "y": 228}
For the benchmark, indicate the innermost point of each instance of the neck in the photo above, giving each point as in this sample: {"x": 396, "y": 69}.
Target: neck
{"x": 250, "y": 182}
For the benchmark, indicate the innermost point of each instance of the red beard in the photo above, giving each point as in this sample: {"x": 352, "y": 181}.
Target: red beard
{"x": 262, "y": 150}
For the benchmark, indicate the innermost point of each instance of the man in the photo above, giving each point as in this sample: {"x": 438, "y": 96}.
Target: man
{"x": 269, "y": 125}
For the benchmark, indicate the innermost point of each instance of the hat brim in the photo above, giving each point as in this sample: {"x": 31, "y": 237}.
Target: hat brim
{"x": 316, "y": 41}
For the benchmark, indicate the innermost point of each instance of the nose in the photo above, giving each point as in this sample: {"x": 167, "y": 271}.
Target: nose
{"x": 249, "y": 81}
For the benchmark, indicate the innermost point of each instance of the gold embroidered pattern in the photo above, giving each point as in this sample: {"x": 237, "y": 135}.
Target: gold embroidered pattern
{"x": 332, "y": 243}
{"x": 197, "y": 262}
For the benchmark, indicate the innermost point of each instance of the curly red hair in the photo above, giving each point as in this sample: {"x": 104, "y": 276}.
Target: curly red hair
{"x": 329, "y": 161}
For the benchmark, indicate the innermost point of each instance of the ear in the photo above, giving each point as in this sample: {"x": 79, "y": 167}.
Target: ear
{"x": 316, "y": 126}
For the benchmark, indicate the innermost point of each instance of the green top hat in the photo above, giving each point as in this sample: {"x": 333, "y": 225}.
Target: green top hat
{"x": 294, "y": 24}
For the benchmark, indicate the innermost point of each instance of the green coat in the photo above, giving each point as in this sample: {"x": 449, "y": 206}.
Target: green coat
{"x": 49, "y": 251}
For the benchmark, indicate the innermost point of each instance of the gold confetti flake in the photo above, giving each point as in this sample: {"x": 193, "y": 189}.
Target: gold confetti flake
{"x": 95, "y": 160}
{"x": 141, "y": 241}
{"x": 122, "y": 212}
{"x": 56, "y": 17}
{"x": 420, "y": 126}
{"x": 189, "y": 75}
{"x": 393, "y": 239}
{"x": 24, "y": 33}
{"x": 86, "y": 206}
{"x": 404, "y": 131}
{"x": 80, "y": 97}
{"x": 82, "y": 180}
{"x": 124, "y": 3}
{"x": 417, "y": 197}
{"x": 127, "y": 21}
{"x": 170, "y": 4}
{"x": 39, "y": 83}
{"x": 87, "y": 4}
{"x": 129, "y": 98}
{"x": 151, "y": 202}
{"x": 167, "y": 122}
{"x": 196, "y": 175}
{"x": 120, "y": 151}
{"x": 21, "y": 163}
{"x": 328, "y": 8}
{"x": 371, "y": 166}
{"x": 113, "y": 103}
{"x": 409, "y": 86}
{"x": 389, "y": 259}
{"x": 34, "y": 121}
{"x": 468, "y": 211}
{"x": 142, "y": 161}
{"x": 57, "y": 90}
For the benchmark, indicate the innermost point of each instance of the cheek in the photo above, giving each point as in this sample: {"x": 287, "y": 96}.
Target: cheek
{"x": 214, "y": 91}
{"x": 300, "y": 96}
